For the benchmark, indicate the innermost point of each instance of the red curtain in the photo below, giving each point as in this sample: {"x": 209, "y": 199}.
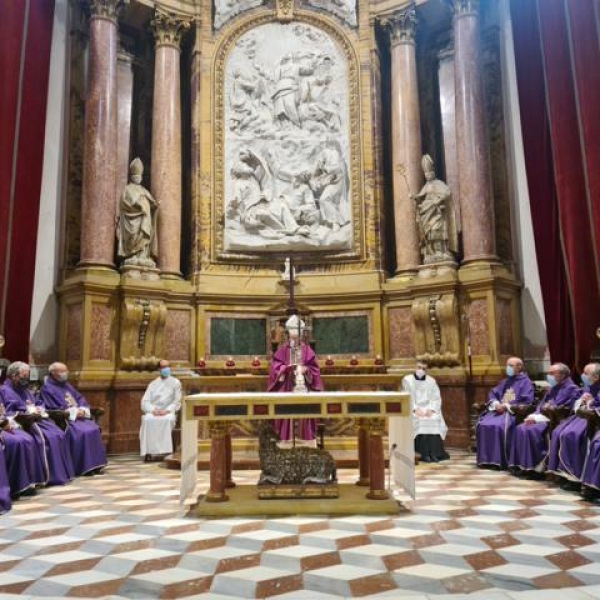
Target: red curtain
{"x": 557, "y": 55}
{"x": 25, "y": 42}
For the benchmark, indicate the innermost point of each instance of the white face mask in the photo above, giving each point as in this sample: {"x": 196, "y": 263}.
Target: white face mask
{"x": 420, "y": 372}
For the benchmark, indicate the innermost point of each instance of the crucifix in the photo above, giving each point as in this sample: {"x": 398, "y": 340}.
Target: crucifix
{"x": 290, "y": 272}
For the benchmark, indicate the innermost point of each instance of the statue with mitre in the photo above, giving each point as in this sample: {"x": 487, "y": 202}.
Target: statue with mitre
{"x": 435, "y": 217}
{"x": 136, "y": 230}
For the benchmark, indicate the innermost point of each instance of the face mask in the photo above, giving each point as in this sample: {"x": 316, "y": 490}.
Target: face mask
{"x": 165, "y": 371}
{"x": 510, "y": 371}
{"x": 24, "y": 381}
{"x": 586, "y": 380}
{"x": 420, "y": 373}
{"x": 551, "y": 380}
{"x": 63, "y": 377}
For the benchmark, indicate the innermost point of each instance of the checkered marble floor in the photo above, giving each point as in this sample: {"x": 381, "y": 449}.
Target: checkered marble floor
{"x": 471, "y": 532}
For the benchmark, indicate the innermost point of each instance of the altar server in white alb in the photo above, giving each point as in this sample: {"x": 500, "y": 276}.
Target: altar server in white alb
{"x": 429, "y": 427}
{"x": 160, "y": 404}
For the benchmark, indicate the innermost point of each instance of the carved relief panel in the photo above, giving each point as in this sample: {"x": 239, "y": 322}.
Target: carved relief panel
{"x": 344, "y": 9}
{"x": 227, "y": 9}
{"x": 287, "y": 142}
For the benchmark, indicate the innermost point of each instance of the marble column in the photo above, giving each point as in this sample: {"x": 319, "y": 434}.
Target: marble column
{"x": 475, "y": 183}
{"x": 218, "y": 459}
{"x": 363, "y": 453}
{"x": 406, "y": 137}
{"x": 124, "y": 102}
{"x": 376, "y": 460}
{"x": 166, "y": 140}
{"x": 99, "y": 157}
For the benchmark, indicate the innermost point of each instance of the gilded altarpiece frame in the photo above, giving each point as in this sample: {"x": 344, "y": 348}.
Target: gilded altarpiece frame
{"x": 216, "y": 248}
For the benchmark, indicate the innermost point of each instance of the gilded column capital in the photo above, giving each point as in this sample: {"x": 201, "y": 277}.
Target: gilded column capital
{"x": 402, "y": 25}
{"x": 106, "y": 9}
{"x": 168, "y": 28}
{"x": 218, "y": 429}
{"x": 376, "y": 426}
{"x": 462, "y": 8}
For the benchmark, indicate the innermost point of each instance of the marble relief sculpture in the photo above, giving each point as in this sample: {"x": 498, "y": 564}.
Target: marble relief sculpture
{"x": 227, "y": 9}
{"x": 345, "y": 9}
{"x": 136, "y": 228}
{"x": 435, "y": 217}
{"x": 286, "y": 141}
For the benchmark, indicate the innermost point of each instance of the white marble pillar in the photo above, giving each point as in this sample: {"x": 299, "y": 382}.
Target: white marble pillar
{"x": 475, "y": 182}
{"x": 406, "y": 138}
{"x": 97, "y": 211}
{"x": 124, "y": 102}
{"x": 166, "y": 140}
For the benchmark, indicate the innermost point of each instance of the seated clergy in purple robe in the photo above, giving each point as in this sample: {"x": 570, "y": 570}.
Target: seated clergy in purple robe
{"x": 530, "y": 446}
{"x": 590, "y": 478}
{"x": 5, "y": 503}
{"x": 24, "y": 461}
{"x": 50, "y": 439}
{"x": 569, "y": 441}
{"x": 496, "y": 425}
{"x": 294, "y": 368}
{"x": 83, "y": 435}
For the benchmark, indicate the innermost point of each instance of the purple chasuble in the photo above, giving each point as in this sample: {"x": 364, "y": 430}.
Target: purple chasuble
{"x": 495, "y": 431}
{"x": 5, "y": 503}
{"x": 83, "y": 435}
{"x": 51, "y": 440}
{"x": 591, "y": 469}
{"x": 282, "y": 378}
{"x": 530, "y": 447}
{"x": 569, "y": 444}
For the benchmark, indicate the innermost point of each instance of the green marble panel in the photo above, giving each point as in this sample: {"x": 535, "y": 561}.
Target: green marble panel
{"x": 238, "y": 337}
{"x": 341, "y": 335}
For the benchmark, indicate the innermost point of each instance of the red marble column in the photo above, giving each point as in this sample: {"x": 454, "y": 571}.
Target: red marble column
{"x": 229, "y": 483}
{"x": 363, "y": 453}
{"x": 99, "y": 157}
{"x": 218, "y": 456}
{"x": 376, "y": 460}
{"x": 406, "y": 137}
{"x": 166, "y": 140}
{"x": 475, "y": 183}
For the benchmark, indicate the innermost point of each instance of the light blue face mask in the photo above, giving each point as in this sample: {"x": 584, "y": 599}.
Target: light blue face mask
{"x": 586, "y": 380}
{"x": 510, "y": 371}
{"x": 551, "y": 380}
{"x": 165, "y": 372}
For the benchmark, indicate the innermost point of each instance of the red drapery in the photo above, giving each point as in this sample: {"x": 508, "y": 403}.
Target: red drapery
{"x": 25, "y": 42}
{"x": 557, "y": 54}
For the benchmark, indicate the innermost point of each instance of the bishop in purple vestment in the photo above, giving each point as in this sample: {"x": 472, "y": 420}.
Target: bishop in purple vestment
{"x": 50, "y": 439}
{"x": 591, "y": 470}
{"x": 24, "y": 462}
{"x": 496, "y": 425}
{"x": 569, "y": 442}
{"x": 530, "y": 447}
{"x": 294, "y": 368}
{"x": 83, "y": 435}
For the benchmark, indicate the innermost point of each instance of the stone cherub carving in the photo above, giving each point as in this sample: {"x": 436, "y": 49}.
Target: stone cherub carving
{"x": 136, "y": 230}
{"x": 435, "y": 217}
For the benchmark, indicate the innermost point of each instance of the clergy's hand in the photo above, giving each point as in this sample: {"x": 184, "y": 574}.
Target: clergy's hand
{"x": 501, "y": 409}
{"x": 158, "y": 412}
